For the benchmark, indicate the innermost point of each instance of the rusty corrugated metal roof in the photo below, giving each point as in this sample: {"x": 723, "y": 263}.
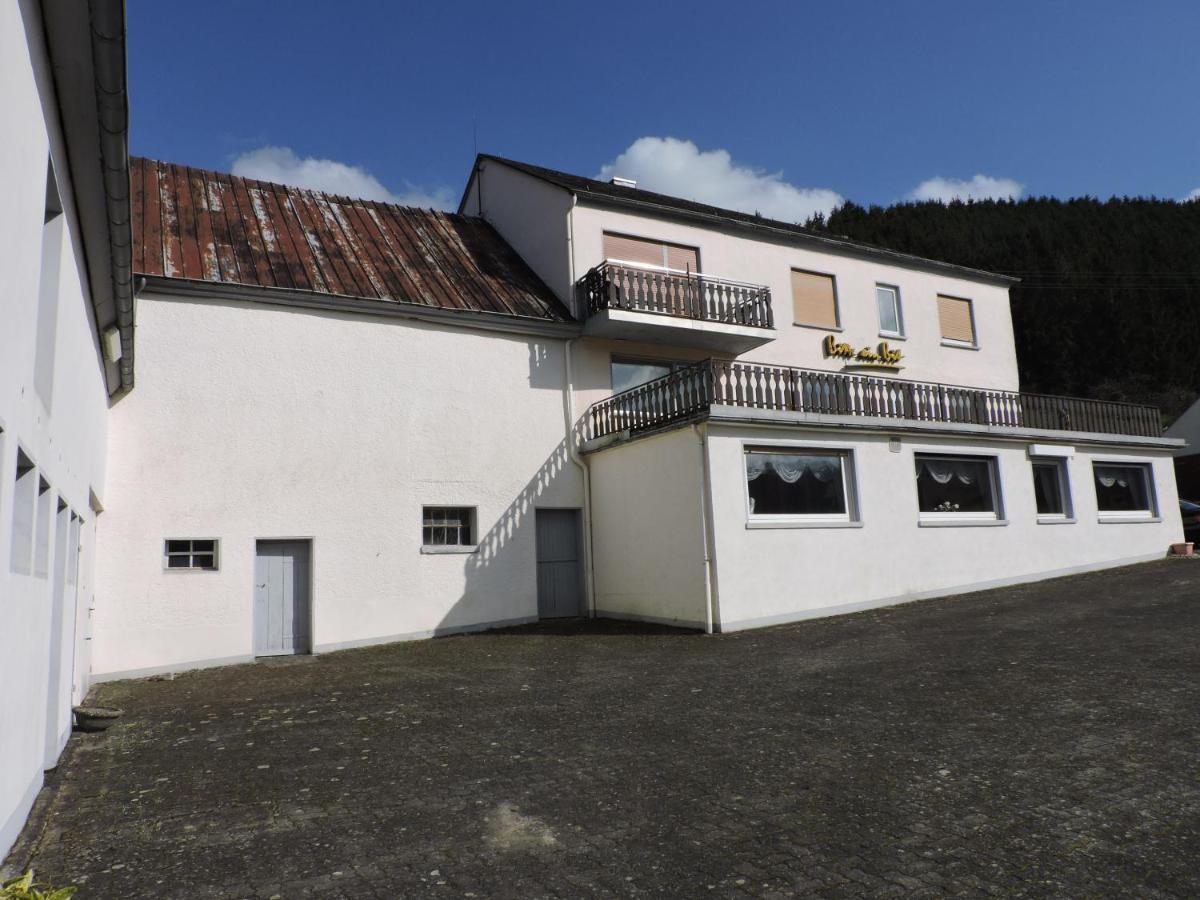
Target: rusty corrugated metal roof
{"x": 211, "y": 227}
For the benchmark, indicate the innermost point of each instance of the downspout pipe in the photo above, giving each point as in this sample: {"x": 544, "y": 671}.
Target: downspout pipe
{"x": 706, "y": 536}
{"x": 589, "y": 572}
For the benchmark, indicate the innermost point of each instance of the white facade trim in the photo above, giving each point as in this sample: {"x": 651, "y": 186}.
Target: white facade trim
{"x": 843, "y": 609}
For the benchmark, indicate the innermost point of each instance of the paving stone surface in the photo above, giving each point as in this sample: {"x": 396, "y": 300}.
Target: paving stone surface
{"x": 1031, "y": 741}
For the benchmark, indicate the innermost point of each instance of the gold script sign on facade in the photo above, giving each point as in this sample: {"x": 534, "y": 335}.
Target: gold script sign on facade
{"x": 882, "y": 355}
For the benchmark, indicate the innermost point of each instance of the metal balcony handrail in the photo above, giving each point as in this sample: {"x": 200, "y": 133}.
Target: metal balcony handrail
{"x": 691, "y": 391}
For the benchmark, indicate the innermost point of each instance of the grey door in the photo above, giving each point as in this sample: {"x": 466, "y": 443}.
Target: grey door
{"x": 559, "y": 563}
{"x": 281, "y": 598}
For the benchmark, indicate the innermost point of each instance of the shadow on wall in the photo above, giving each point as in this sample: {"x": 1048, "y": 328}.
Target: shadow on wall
{"x": 501, "y": 576}
{"x": 547, "y": 369}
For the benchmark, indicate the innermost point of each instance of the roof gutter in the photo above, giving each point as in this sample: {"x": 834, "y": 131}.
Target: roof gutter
{"x": 112, "y": 103}
{"x": 86, "y": 46}
{"x": 159, "y": 287}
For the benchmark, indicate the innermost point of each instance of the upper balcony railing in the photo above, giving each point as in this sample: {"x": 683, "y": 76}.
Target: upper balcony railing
{"x": 690, "y": 392}
{"x": 617, "y": 285}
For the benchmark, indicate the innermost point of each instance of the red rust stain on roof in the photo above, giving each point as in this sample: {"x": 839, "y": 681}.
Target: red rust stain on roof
{"x": 221, "y": 229}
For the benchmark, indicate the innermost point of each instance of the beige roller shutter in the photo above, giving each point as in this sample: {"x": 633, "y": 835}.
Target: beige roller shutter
{"x": 651, "y": 253}
{"x": 685, "y": 259}
{"x": 814, "y": 300}
{"x": 954, "y": 314}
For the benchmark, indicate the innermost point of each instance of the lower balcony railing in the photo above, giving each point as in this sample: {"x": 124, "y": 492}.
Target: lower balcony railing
{"x": 689, "y": 392}
{"x": 680, "y": 294}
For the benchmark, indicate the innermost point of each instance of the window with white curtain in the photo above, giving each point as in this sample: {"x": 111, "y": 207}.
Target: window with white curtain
{"x": 1123, "y": 490}
{"x": 957, "y": 487}
{"x": 798, "y": 482}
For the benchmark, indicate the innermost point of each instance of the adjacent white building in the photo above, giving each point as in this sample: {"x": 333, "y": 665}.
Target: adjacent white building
{"x": 66, "y": 347}
{"x": 356, "y": 422}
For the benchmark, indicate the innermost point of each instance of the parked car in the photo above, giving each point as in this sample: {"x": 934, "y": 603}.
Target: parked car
{"x": 1191, "y": 520}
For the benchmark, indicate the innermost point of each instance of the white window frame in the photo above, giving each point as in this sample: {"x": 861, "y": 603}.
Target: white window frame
{"x": 851, "y": 518}
{"x": 473, "y": 524}
{"x": 1117, "y": 517}
{"x": 895, "y": 289}
{"x": 191, "y": 553}
{"x": 966, "y": 519}
{"x": 1067, "y": 516}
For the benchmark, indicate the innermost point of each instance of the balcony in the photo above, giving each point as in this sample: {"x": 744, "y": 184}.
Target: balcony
{"x": 638, "y": 303}
{"x": 691, "y": 394}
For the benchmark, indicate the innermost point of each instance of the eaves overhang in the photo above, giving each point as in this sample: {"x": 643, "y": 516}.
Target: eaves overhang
{"x": 157, "y": 286}
{"x": 87, "y": 51}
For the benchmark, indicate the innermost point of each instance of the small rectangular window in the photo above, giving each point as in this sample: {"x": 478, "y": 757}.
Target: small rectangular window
{"x": 73, "y": 536}
{"x": 448, "y": 526}
{"x": 887, "y": 298}
{"x": 957, "y": 319}
{"x": 41, "y": 544}
{"x": 1051, "y": 490}
{"x": 1124, "y": 490}
{"x": 24, "y": 504}
{"x": 785, "y": 482}
{"x": 957, "y": 487}
{"x": 191, "y": 553}
{"x": 814, "y": 299}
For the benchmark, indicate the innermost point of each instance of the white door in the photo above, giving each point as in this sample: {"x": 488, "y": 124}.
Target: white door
{"x": 281, "y": 598}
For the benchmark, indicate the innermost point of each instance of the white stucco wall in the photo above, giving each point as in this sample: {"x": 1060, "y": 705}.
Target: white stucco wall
{"x": 63, "y": 433}
{"x": 648, "y": 538}
{"x": 262, "y": 422}
{"x": 769, "y": 262}
{"x": 532, "y": 216}
{"x": 781, "y": 574}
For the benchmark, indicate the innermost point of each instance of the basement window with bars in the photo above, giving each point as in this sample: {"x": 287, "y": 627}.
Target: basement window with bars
{"x": 448, "y": 528}
{"x": 190, "y": 553}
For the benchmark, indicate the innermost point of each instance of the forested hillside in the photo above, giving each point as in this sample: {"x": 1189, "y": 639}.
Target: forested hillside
{"x": 1109, "y": 300}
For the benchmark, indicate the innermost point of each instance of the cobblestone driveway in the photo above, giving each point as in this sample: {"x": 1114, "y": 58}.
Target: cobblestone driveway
{"x": 1038, "y": 740}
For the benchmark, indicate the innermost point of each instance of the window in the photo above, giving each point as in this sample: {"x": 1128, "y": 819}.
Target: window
{"x": 1123, "y": 490}
{"x": 448, "y": 526}
{"x": 24, "y": 502}
{"x": 956, "y": 316}
{"x": 954, "y": 488}
{"x": 47, "y": 316}
{"x": 73, "y": 537}
{"x": 629, "y": 373}
{"x": 41, "y": 544}
{"x": 190, "y": 553}
{"x": 887, "y": 299}
{"x": 1050, "y": 490}
{"x": 814, "y": 299}
{"x": 797, "y": 482}
{"x": 643, "y": 252}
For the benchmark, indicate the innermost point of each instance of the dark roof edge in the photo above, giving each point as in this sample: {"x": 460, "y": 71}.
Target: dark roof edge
{"x": 292, "y": 298}
{"x": 109, "y": 54}
{"x": 736, "y": 220}
{"x": 87, "y": 52}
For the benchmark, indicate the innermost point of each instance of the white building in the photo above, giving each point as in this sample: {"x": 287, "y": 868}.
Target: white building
{"x": 66, "y": 346}
{"x": 357, "y": 423}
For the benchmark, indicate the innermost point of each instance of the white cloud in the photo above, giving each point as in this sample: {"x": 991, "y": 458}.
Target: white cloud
{"x": 680, "y": 169}
{"x": 981, "y": 187}
{"x": 1194, "y": 195}
{"x": 283, "y": 166}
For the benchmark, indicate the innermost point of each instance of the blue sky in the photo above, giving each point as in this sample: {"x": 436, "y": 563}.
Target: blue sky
{"x": 782, "y": 107}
